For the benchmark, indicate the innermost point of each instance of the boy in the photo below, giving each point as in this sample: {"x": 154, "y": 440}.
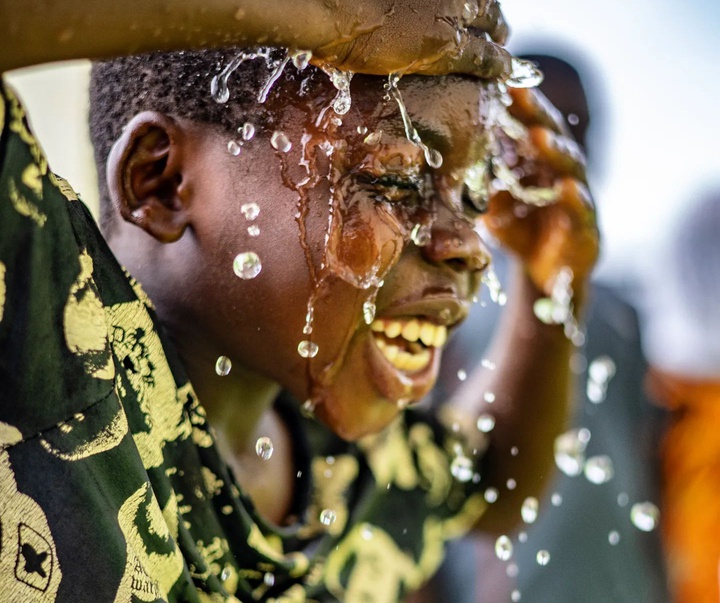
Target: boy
{"x": 99, "y": 419}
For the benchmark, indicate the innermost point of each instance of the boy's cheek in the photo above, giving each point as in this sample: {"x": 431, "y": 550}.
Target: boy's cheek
{"x": 365, "y": 242}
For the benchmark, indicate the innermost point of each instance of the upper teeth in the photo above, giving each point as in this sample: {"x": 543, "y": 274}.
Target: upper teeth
{"x": 430, "y": 334}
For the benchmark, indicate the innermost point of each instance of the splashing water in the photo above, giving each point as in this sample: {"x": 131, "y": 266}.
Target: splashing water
{"x": 219, "y": 90}
{"x": 247, "y": 131}
{"x": 301, "y": 59}
{"x": 461, "y": 468}
{"x": 233, "y": 148}
{"x": 369, "y": 312}
{"x": 503, "y": 548}
{"x": 254, "y": 230}
{"x": 470, "y": 12}
{"x": 570, "y": 452}
{"x": 223, "y": 366}
{"x": 433, "y": 158}
{"x": 525, "y": 74}
{"x": 556, "y": 499}
{"x": 341, "y": 81}
{"x": 462, "y": 375}
{"x": 264, "y": 448}
{"x": 327, "y": 517}
{"x": 486, "y": 423}
{"x": 421, "y": 234}
{"x": 269, "y": 579}
{"x": 542, "y": 557}
{"x": 600, "y": 372}
{"x": 614, "y": 538}
{"x": 515, "y": 596}
{"x": 247, "y": 265}
{"x": 529, "y": 509}
{"x": 307, "y": 349}
{"x": 488, "y": 364}
{"x": 645, "y": 516}
{"x": 250, "y": 211}
{"x": 274, "y": 76}
{"x": 491, "y": 495}
{"x": 492, "y": 282}
{"x": 308, "y": 409}
{"x": 599, "y": 469}
{"x": 489, "y": 397}
{"x": 558, "y": 309}
{"x": 280, "y": 141}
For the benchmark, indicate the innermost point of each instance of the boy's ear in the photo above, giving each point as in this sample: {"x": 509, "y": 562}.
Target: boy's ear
{"x": 144, "y": 174}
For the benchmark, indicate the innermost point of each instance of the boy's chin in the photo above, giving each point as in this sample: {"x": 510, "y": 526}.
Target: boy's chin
{"x": 354, "y": 419}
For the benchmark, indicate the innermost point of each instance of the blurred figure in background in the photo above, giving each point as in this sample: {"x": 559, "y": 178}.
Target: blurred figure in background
{"x": 682, "y": 337}
{"x": 595, "y": 552}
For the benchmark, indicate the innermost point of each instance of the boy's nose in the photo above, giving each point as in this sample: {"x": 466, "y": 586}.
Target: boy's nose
{"x": 456, "y": 243}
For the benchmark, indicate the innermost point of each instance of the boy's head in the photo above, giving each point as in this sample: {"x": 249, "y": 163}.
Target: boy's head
{"x": 352, "y": 222}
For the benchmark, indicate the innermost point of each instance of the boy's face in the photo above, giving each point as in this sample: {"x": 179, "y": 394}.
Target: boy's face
{"x": 331, "y": 228}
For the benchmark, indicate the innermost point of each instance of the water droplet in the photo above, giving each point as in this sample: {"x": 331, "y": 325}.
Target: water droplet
{"x": 327, "y": 517}
{"x": 489, "y": 397}
{"x": 366, "y": 532}
{"x": 369, "y": 312}
{"x": 402, "y": 403}
{"x": 264, "y": 448}
{"x": 470, "y": 11}
{"x": 280, "y": 141}
{"x": 274, "y": 76}
{"x": 223, "y": 366}
{"x": 512, "y": 570}
{"x": 556, "y": 499}
{"x": 254, "y": 230}
{"x": 461, "y": 375}
{"x": 225, "y": 574}
{"x": 570, "y": 452}
{"x": 522, "y": 537}
{"x": 613, "y": 537}
{"x": 596, "y": 392}
{"x": 511, "y": 484}
{"x": 645, "y": 516}
{"x": 573, "y": 119}
{"x": 491, "y": 495}
{"x": 462, "y": 468}
{"x": 602, "y": 369}
{"x": 515, "y": 596}
{"x": 543, "y": 557}
{"x": 486, "y": 423}
{"x": 503, "y": 548}
{"x": 307, "y": 349}
{"x": 373, "y": 138}
{"x": 247, "y": 130}
{"x": 623, "y": 499}
{"x": 488, "y": 364}
{"x": 362, "y": 130}
{"x": 514, "y": 451}
{"x": 342, "y": 103}
{"x": 247, "y": 265}
{"x": 250, "y": 211}
{"x": 301, "y": 59}
{"x": 421, "y": 234}
{"x": 308, "y": 409}
{"x": 433, "y": 158}
{"x": 599, "y": 469}
{"x": 529, "y": 510}
{"x": 234, "y": 148}
{"x": 525, "y": 74}
{"x": 490, "y": 279}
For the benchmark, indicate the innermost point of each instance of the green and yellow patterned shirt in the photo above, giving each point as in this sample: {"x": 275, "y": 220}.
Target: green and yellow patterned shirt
{"x": 111, "y": 486}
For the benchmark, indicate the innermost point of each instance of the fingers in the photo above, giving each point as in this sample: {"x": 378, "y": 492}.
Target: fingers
{"x": 479, "y": 57}
{"x": 532, "y": 108}
{"x": 560, "y": 153}
{"x": 491, "y": 20}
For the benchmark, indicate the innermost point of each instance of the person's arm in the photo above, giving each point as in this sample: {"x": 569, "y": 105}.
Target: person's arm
{"x": 370, "y": 36}
{"x": 532, "y": 381}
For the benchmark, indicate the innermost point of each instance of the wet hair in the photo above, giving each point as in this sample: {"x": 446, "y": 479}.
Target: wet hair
{"x": 174, "y": 83}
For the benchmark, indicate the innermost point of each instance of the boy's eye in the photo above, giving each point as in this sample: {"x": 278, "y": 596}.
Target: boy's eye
{"x": 393, "y": 189}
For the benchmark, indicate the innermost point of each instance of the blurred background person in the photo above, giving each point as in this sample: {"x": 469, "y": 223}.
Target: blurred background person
{"x": 583, "y": 545}
{"x": 682, "y": 338}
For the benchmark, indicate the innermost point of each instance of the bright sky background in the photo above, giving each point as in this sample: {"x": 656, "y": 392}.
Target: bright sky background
{"x": 656, "y": 65}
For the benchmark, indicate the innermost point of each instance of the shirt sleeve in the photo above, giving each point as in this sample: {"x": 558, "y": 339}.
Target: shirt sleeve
{"x": 54, "y": 355}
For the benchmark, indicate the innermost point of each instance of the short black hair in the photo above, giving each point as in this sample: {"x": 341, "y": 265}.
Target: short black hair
{"x": 175, "y": 83}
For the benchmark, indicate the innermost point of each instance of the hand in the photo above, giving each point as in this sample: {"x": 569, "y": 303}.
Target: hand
{"x": 563, "y": 233}
{"x": 432, "y": 37}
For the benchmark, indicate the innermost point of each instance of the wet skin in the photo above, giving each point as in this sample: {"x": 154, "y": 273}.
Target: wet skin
{"x": 258, "y": 323}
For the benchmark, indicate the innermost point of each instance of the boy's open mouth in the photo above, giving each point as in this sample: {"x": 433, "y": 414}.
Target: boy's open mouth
{"x": 408, "y": 344}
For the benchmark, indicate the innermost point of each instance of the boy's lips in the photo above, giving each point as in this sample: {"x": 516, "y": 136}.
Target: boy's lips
{"x": 405, "y": 346}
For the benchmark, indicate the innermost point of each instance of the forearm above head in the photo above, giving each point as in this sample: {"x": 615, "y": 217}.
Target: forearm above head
{"x": 46, "y": 31}
{"x": 531, "y": 385}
